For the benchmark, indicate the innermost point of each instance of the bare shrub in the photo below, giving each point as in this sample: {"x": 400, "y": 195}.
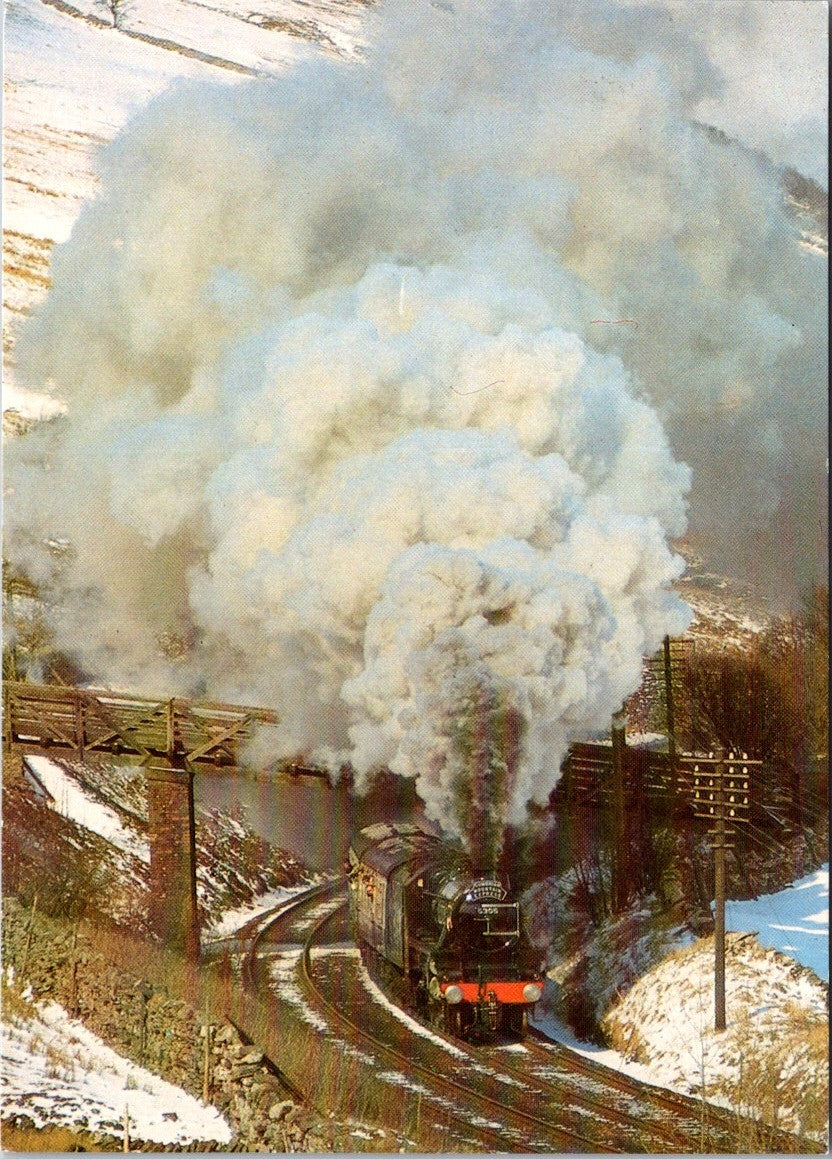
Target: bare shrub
{"x": 772, "y": 702}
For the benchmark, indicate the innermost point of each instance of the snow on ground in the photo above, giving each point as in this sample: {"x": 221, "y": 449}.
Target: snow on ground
{"x": 69, "y": 88}
{"x": 772, "y": 1057}
{"x": 72, "y": 84}
{"x": 239, "y": 876}
{"x": 412, "y": 1025}
{"x": 321, "y": 910}
{"x": 795, "y": 920}
{"x": 56, "y": 1072}
{"x": 776, "y": 1007}
{"x": 233, "y": 920}
{"x": 549, "y": 1025}
{"x": 71, "y": 801}
{"x": 284, "y": 972}
{"x": 652, "y": 740}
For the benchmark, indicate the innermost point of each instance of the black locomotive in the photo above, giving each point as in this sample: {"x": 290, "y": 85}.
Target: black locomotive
{"x": 454, "y": 937}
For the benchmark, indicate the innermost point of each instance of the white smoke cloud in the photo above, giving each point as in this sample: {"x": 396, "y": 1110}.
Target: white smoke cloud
{"x": 369, "y": 369}
{"x": 757, "y": 71}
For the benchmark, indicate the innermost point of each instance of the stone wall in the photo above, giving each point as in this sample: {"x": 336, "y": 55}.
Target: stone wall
{"x": 160, "y": 1032}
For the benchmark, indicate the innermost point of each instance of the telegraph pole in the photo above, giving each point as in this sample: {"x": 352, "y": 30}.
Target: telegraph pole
{"x": 669, "y": 707}
{"x": 719, "y": 898}
{"x": 720, "y": 794}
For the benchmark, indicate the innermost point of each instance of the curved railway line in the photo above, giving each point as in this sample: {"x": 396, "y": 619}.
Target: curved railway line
{"x": 535, "y": 1096}
{"x": 527, "y": 1129}
{"x": 446, "y": 1097}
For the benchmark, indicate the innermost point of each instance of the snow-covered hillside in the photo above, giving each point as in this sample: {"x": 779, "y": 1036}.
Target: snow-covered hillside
{"x": 75, "y": 844}
{"x": 71, "y": 81}
{"x": 70, "y": 800}
{"x": 68, "y": 813}
{"x": 772, "y": 1056}
{"x": 794, "y": 921}
{"x": 777, "y": 1002}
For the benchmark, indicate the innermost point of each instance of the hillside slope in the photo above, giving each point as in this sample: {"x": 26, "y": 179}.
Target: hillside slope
{"x": 71, "y": 81}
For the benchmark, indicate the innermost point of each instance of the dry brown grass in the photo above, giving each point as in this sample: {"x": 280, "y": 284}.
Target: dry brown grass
{"x": 56, "y": 1140}
{"x": 783, "y": 1081}
{"x": 335, "y": 1082}
{"x": 771, "y": 1064}
{"x": 13, "y": 1006}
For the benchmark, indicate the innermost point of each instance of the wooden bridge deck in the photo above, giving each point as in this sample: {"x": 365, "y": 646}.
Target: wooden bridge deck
{"x": 87, "y": 722}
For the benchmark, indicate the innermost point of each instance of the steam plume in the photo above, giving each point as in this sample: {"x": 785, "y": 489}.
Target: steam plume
{"x": 345, "y": 430}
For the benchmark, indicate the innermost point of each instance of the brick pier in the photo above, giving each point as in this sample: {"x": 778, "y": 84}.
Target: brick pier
{"x": 172, "y": 833}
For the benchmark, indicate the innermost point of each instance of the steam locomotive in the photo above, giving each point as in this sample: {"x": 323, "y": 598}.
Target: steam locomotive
{"x": 454, "y": 937}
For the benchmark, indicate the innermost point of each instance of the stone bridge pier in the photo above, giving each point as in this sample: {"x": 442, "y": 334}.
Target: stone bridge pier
{"x": 172, "y": 834}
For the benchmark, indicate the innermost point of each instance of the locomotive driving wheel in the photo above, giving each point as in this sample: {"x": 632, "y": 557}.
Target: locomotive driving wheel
{"x": 455, "y": 1020}
{"x": 437, "y": 1010}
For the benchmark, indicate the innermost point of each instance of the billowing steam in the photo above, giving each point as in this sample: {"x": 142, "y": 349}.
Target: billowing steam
{"x": 349, "y": 428}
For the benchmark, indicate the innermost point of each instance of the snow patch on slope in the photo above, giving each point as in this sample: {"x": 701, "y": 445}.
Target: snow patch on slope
{"x": 664, "y": 1025}
{"x": 771, "y": 1060}
{"x": 232, "y": 920}
{"x": 56, "y": 1072}
{"x": 72, "y": 802}
{"x": 794, "y": 921}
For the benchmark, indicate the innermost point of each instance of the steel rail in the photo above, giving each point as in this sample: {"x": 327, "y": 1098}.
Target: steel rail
{"x": 575, "y": 1064}
{"x": 264, "y": 924}
{"x": 249, "y": 973}
{"x": 716, "y": 1125}
{"x": 557, "y": 1134}
{"x": 719, "y": 1128}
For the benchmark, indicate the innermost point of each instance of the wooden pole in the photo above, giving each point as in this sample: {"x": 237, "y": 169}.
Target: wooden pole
{"x": 619, "y": 886}
{"x": 720, "y": 796}
{"x": 206, "y": 1071}
{"x": 671, "y": 712}
{"x": 73, "y": 990}
{"x": 29, "y": 933}
{"x": 146, "y": 993}
{"x": 719, "y": 898}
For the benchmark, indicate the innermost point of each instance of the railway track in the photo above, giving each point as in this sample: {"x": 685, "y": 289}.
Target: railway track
{"x": 521, "y": 1128}
{"x": 674, "y": 1122}
{"x": 472, "y": 1119}
{"x": 645, "y": 1126}
{"x": 537, "y": 1096}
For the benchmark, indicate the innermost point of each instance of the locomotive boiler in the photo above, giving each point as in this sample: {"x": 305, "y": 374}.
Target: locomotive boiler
{"x": 455, "y": 937}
